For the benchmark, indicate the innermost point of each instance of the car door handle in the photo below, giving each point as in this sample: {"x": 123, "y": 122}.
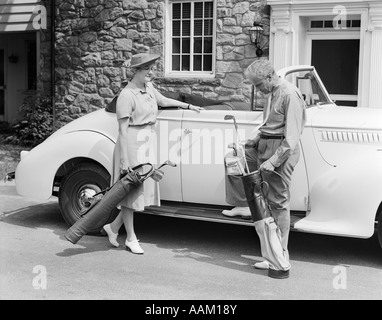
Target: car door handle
{"x": 187, "y": 131}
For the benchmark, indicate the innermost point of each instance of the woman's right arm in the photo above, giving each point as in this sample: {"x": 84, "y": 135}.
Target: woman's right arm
{"x": 125, "y": 107}
{"x": 123, "y": 124}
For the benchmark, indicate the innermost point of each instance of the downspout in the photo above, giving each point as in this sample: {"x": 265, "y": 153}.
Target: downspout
{"x": 52, "y": 71}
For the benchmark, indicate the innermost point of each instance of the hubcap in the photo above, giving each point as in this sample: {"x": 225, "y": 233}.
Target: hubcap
{"x": 85, "y": 195}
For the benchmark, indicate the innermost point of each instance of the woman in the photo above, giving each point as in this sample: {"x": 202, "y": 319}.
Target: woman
{"x": 137, "y": 108}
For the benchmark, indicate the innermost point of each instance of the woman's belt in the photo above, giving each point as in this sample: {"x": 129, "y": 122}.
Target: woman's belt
{"x": 143, "y": 124}
{"x": 271, "y": 136}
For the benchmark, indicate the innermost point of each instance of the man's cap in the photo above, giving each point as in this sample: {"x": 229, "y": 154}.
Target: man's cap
{"x": 142, "y": 59}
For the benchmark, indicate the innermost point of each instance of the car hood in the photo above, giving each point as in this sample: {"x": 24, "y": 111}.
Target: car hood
{"x": 99, "y": 121}
{"x": 348, "y": 118}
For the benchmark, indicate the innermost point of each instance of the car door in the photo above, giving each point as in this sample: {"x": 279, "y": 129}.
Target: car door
{"x": 205, "y": 137}
{"x": 168, "y": 131}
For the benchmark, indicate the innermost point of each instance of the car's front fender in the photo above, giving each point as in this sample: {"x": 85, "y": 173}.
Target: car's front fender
{"x": 345, "y": 199}
{"x": 36, "y": 171}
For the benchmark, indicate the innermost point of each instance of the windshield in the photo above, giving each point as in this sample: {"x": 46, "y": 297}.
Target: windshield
{"x": 310, "y": 88}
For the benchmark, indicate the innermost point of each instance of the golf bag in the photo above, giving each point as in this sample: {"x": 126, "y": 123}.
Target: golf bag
{"x": 112, "y": 197}
{"x": 266, "y": 228}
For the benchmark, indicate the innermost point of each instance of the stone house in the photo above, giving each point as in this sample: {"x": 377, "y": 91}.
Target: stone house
{"x": 205, "y": 47}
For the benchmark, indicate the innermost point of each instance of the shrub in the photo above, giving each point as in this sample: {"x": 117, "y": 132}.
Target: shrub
{"x": 36, "y": 121}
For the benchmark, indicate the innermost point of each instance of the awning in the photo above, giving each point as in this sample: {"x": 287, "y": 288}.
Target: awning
{"x": 20, "y": 15}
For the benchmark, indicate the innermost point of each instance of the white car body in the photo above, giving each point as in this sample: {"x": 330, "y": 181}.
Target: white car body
{"x": 336, "y": 186}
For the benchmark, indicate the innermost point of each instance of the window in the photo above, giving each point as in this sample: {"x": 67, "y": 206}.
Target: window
{"x": 192, "y": 37}
{"x": 354, "y": 24}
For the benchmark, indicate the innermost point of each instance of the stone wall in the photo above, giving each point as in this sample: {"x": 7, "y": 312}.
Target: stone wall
{"x": 95, "y": 37}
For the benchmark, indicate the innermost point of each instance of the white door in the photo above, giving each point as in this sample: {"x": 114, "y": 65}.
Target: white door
{"x": 205, "y": 137}
{"x": 335, "y": 55}
{"x": 168, "y": 132}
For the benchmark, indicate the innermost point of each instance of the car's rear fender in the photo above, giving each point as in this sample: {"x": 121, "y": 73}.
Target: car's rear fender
{"x": 345, "y": 199}
{"x": 37, "y": 170}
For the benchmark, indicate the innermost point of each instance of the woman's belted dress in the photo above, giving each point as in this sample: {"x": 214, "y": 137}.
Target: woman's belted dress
{"x": 141, "y": 107}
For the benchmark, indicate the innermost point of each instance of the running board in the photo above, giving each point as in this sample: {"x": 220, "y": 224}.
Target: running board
{"x": 205, "y": 213}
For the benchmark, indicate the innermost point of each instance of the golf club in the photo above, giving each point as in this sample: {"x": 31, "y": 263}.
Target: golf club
{"x": 231, "y": 117}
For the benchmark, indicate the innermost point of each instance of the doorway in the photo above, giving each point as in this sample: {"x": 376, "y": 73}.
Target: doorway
{"x": 336, "y": 59}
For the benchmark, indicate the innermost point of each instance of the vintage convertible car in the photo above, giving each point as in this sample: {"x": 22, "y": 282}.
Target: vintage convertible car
{"x": 336, "y": 187}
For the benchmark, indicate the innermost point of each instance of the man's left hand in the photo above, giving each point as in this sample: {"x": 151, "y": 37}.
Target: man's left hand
{"x": 267, "y": 166}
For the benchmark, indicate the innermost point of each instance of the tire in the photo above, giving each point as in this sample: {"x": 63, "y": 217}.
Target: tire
{"x": 76, "y": 188}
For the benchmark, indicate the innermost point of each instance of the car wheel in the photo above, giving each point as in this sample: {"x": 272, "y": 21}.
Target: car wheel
{"x": 76, "y": 190}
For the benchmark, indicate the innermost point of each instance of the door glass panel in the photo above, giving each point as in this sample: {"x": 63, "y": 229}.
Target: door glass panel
{"x": 337, "y": 61}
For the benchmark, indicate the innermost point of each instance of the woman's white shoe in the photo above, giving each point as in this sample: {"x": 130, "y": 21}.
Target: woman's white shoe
{"x": 134, "y": 247}
{"x": 111, "y": 235}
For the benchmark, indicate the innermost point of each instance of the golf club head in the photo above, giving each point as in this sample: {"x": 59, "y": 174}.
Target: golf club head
{"x": 167, "y": 163}
{"x": 231, "y": 117}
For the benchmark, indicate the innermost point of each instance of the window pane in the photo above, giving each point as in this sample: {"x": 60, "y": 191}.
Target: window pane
{"x": 207, "y": 63}
{"x": 176, "y": 63}
{"x": 197, "y": 63}
{"x": 207, "y": 45}
{"x": 176, "y": 28}
{"x": 356, "y": 23}
{"x": 328, "y": 24}
{"x": 198, "y": 27}
{"x": 198, "y": 45}
{"x": 186, "y": 10}
{"x": 198, "y": 10}
{"x": 208, "y": 10}
{"x": 176, "y": 11}
{"x": 208, "y": 25}
{"x": 186, "y": 45}
{"x": 316, "y": 24}
{"x": 186, "y": 31}
{"x": 176, "y": 45}
{"x": 186, "y": 63}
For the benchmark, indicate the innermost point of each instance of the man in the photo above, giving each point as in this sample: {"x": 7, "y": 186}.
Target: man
{"x": 275, "y": 148}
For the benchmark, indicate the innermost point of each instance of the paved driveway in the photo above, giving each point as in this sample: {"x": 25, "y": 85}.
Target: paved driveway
{"x": 183, "y": 260}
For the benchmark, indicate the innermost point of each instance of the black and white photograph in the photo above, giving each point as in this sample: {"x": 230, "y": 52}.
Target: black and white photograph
{"x": 190, "y": 156}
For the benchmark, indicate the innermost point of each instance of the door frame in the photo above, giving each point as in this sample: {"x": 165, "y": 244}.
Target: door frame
{"x": 4, "y": 116}
{"x": 335, "y": 35}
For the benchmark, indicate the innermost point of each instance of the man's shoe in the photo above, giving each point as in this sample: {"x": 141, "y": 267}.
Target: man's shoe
{"x": 243, "y": 212}
{"x": 278, "y": 274}
{"x": 263, "y": 265}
